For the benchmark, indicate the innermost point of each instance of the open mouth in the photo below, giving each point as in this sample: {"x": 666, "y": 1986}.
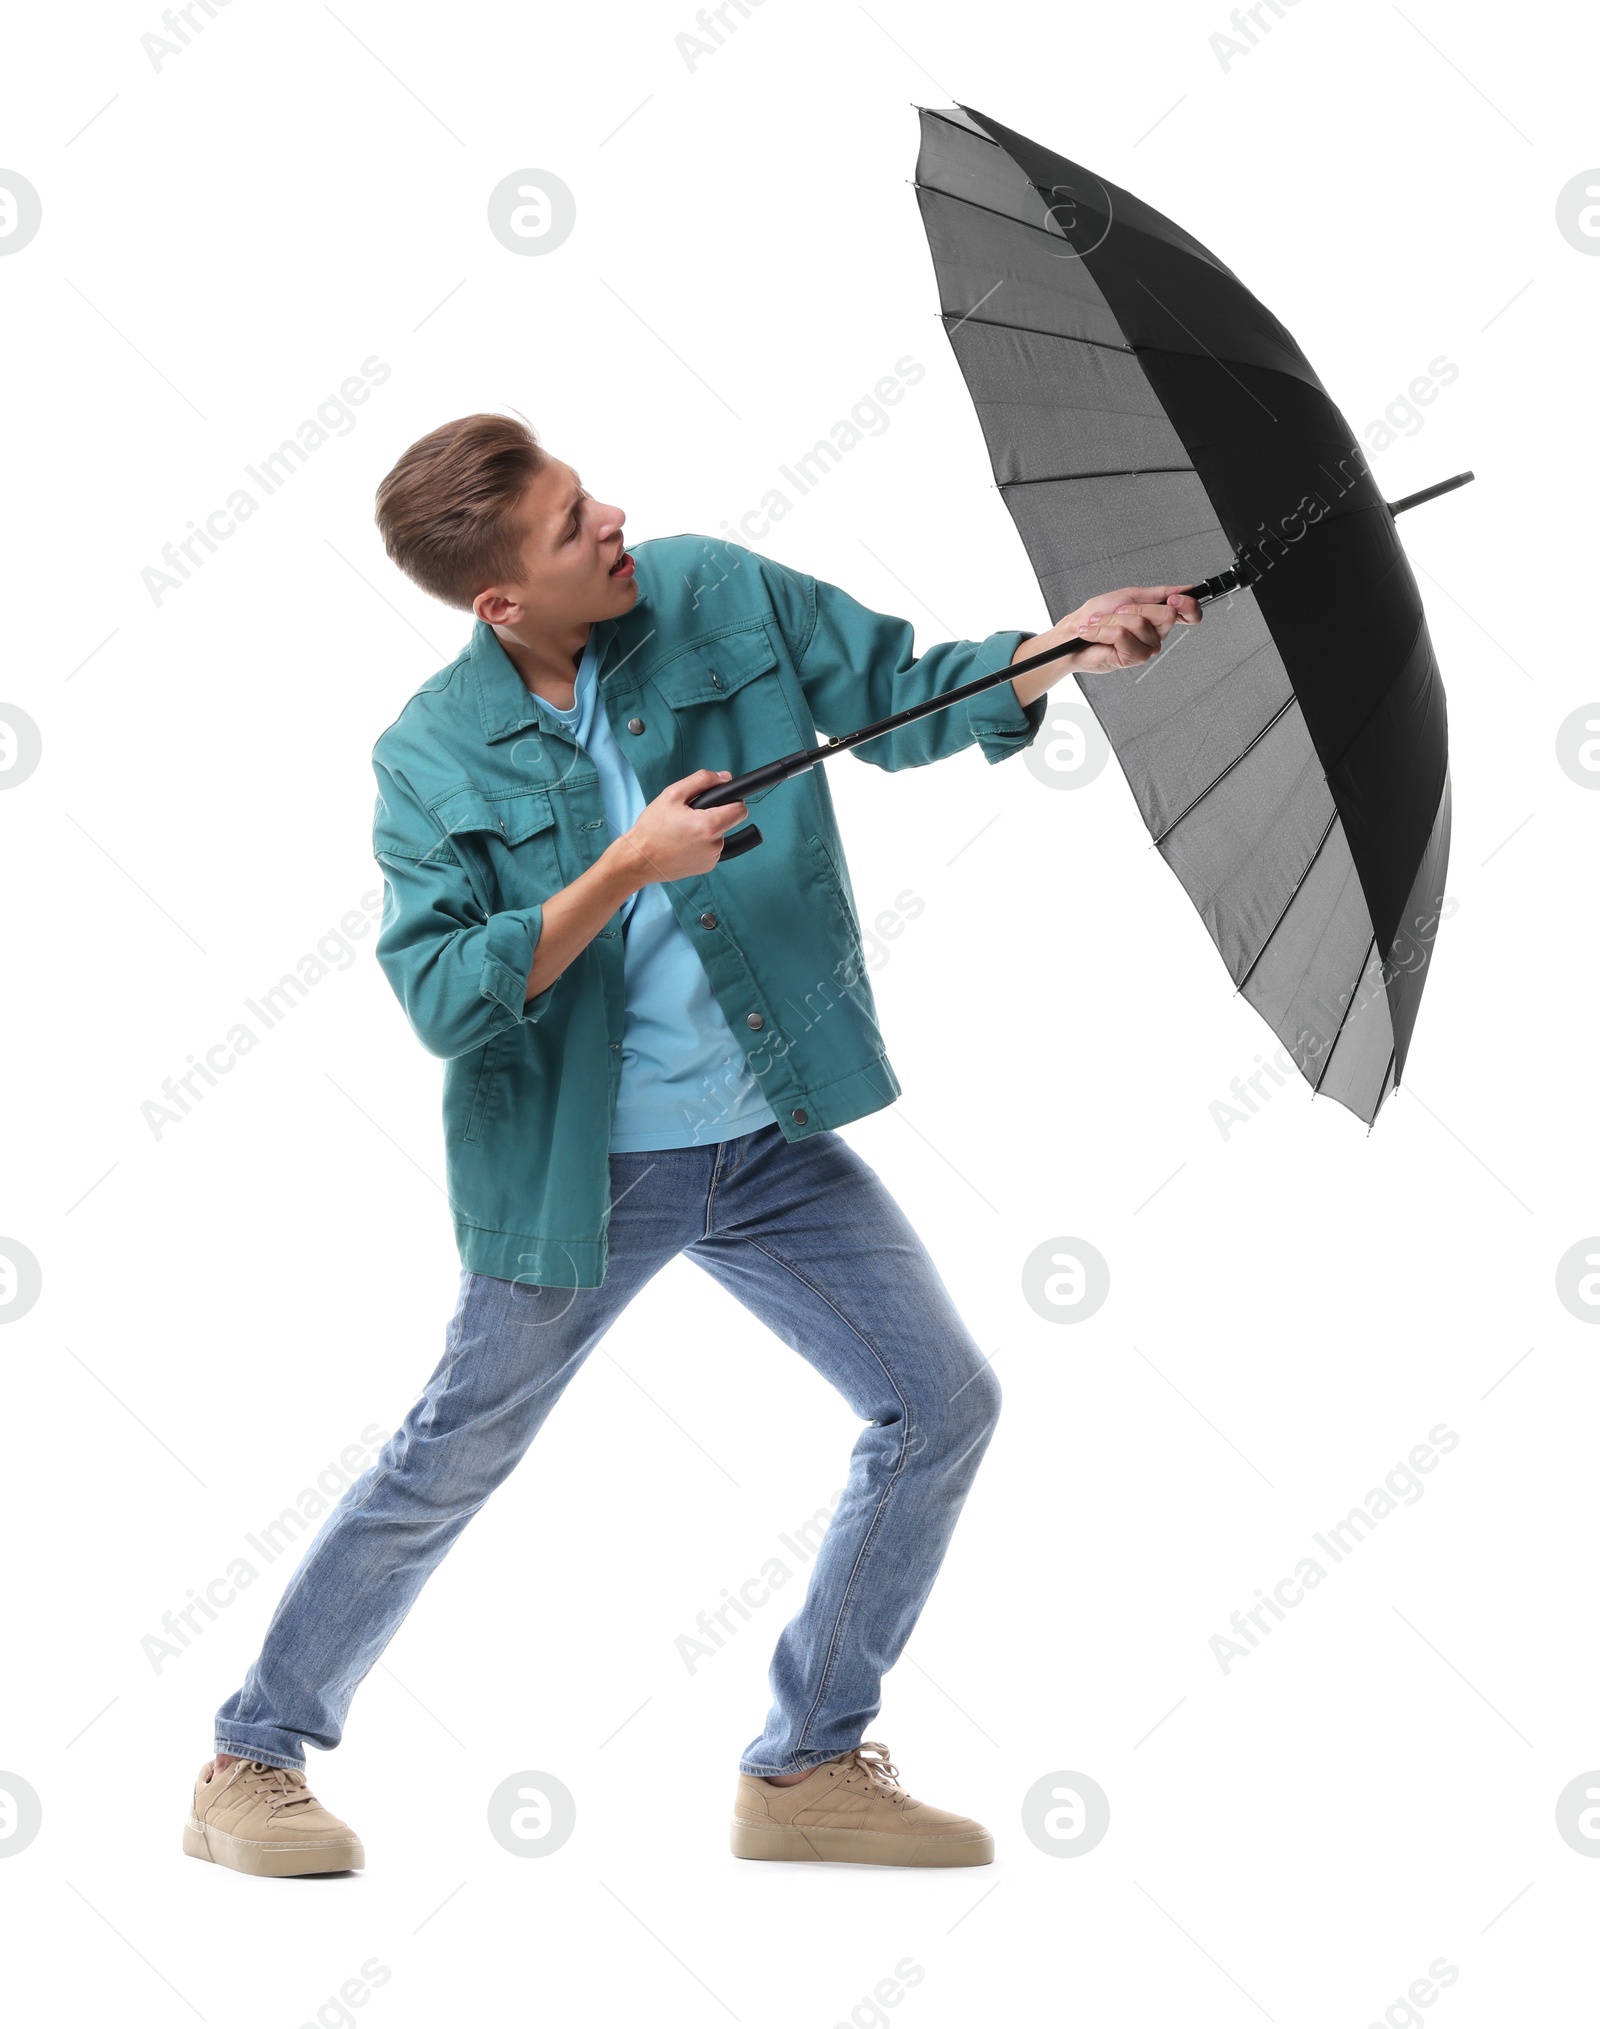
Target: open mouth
{"x": 623, "y": 567}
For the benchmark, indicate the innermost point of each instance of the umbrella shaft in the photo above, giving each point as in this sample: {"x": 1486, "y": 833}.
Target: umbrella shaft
{"x": 808, "y": 757}
{"x": 1241, "y": 573}
{"x": 1431, "y": 492}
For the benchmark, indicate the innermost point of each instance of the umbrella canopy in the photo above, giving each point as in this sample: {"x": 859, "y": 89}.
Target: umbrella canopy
{"x": 1148, "y": 420}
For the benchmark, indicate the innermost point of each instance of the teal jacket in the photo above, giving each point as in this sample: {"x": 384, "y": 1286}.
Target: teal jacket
{"x": 485, "y": 808}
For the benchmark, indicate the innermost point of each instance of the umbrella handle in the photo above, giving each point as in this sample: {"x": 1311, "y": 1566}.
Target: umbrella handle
{"x": 746, "y": 837}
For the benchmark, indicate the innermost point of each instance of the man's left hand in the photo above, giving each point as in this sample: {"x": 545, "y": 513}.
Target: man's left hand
{"x": 1125, "y": 628}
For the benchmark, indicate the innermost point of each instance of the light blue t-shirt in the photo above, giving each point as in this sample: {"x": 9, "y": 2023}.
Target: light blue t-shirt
{"x": 684, "y": 1078}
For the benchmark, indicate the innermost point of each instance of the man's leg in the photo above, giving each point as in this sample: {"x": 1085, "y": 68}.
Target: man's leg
{"x": 809, "y": 1240}
{"x": 511, "y": 1349}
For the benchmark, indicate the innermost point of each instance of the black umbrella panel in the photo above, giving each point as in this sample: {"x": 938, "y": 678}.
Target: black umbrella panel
{"x": 1148, "y": 420}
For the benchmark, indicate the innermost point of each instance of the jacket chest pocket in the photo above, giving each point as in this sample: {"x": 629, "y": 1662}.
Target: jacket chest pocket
{"x": 729, "y": 702}
{"x": 508, "y": 845}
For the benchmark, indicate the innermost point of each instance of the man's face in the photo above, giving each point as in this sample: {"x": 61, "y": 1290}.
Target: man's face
{"x": 571, "y": 552}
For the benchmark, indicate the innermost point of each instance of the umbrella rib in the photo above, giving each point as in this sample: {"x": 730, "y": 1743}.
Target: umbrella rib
{"x": 1299, "y": 884}
{"x": 1010, "y": 217}
{"x": 1037, "y": 331}
{"x": 1350, "y": 1003}
{"x": 1133, "y": 549}
{"x": 1127, "y": 551}
{"x": 1189, "y": 808}
{"x": 960, "y": 126}
{"x": 1118, "y": 472}
{"x": 1028, "y": 225}
{"x": 1133, "y": 351}
{"x": 1054, "y": 407}
{"x": 1385, "y": 1088}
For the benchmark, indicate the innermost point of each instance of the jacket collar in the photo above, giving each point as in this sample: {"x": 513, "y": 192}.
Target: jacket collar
{"x": 505, "y": 704}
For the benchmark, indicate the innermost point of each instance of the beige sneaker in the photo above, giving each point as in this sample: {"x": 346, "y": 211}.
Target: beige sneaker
{"x": 852, "y": 1808}
{"x": 264, "y": 1820}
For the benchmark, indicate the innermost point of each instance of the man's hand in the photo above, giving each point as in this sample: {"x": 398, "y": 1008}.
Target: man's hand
{"x": 1126, "y": 628}
{"x": 669, "y": 841}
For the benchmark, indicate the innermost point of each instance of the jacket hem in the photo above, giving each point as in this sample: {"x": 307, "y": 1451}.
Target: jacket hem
{"x": 530, "y": 1257}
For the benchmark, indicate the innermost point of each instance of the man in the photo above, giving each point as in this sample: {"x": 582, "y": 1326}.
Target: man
{"x": 647, "y": 1051}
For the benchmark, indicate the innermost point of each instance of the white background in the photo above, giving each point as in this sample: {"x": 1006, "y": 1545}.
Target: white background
{"x": 1293, "y": 1306}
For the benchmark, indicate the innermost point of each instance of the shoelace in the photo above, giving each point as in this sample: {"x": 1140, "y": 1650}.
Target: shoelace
{"x": 287, "y": 1787}
{"x": 871, "y": 1761}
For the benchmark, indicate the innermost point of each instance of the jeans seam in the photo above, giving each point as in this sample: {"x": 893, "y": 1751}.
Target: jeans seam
{"x": 722, "y": 1173}
{"x": 806, "y": 1769}
{"x": 711, "y": 1186}
{"x": 255, "y": 1754}
{"x": 379, "y": 1476}
{"x": 830, "y": 1654}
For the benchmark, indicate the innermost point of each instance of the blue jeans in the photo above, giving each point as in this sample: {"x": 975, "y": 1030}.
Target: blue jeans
{"x": 805, "y": 1235}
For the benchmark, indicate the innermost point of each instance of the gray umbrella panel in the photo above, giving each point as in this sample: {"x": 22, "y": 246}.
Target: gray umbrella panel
{"x": 1213, "y": 739}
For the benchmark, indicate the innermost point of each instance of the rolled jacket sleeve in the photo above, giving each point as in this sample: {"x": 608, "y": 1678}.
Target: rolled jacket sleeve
{"x": 460, "y": 974}
{"x": 857, "y": 665}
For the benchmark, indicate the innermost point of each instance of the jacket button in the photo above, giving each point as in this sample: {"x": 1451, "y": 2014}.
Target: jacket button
{"x": 616, "y": 1046}
{"x": 708, "y": 921}
{"x": 799, "y": 1116}
{"x": 716, "y": 681}
{"x": 754, "y": 1021}
{"x": 636, "y": 725}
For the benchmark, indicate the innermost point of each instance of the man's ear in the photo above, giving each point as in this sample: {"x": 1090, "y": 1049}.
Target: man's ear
{"x": 495, "y": 609}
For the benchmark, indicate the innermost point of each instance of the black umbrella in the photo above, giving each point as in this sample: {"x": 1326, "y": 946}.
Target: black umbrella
{"x": 1148, "y": 420}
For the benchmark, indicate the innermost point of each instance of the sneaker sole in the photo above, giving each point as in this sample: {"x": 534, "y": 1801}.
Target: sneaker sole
{"x": 254, "y": 1856}
{"x": 868, "y": 1849}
